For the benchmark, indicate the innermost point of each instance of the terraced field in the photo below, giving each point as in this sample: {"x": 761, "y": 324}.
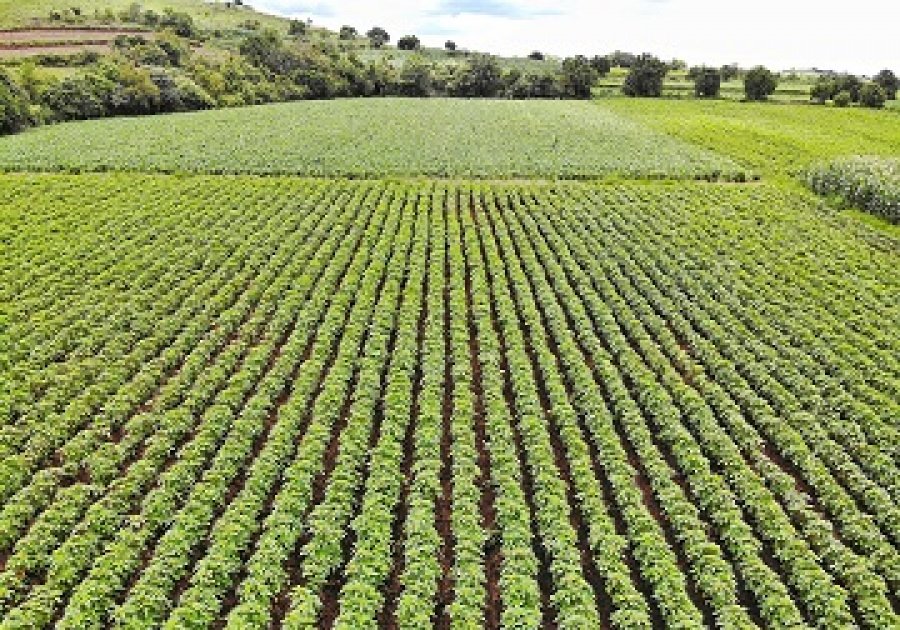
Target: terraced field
{"x": 244, "y": 402}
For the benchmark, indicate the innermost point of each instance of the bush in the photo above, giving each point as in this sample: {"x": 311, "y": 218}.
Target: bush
{"x": 408, "y": 42}
{"x": 872, "y": 95}
{"x": 848, "y": 83}
{"x": 842, "y": 99}
{"x": 707, "y": 82}
{"x": 347, "y": 32}
{"x": 645, "y": 77}
{"x": 536, "y": 55}
{"x": 759, "y": 83}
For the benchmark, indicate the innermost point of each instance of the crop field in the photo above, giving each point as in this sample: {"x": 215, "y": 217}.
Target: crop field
{"x": 260, "y": 402}
{"x": 412, "y": 137}
{"x": 770, "y": 139}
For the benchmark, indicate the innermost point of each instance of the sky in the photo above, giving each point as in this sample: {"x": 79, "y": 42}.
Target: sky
{"x": 862, "y": 36}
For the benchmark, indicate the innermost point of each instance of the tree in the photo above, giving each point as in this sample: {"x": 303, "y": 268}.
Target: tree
{"x": 729, "y": 71}
{"x": 872, "y": 95}
{"x": 480, "y": 77}
{"x": 577, "y": 77}
{"x": 707, "y": 82}
{"x": 823, "y": 90}
{"x": 181, "y": 23}
{"x": 14, "y": 105}
{"x": 297, "y": 28}
{"x": 378, "y": 37}
{"x": 347, "y": 32}
{"x": 889, "y": 83}
{"x": 645, "y": 77}
{"x": 535, "y": 85}
{"x": 601, "y": 65}
{"x": 416, "y": 77}
{"x": 849, "y": 83}
{"x": 450, "y": 45}
{"x": 842, "y": 99}
{"x": 536, "y": 55}
{"x": 621, "y": 59}
{"x": 759, "y": 83}
{"x": 408, "y": 42}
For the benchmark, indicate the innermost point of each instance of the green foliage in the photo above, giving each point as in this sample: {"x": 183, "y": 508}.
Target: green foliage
{"x": 888, "y": 82}
{"x": 480, "y": 76}
{"x": 645, "y": 76}
{"x": 872, "y": 95}
{"x": 578, "y": 77}
{"x": 843, "y": 99}
{"x": 759, "y": 83}
{"x": 707, "y": 82}
{"x": 378, "y": 36}
{"x": 601, "y": 64}
{"x": 408, "y": 42}
{"x": 247, "y": 390}
{"x": 297, "y": 28}
{"x": 348, "y": 32}
{"x": 14, "y": 105}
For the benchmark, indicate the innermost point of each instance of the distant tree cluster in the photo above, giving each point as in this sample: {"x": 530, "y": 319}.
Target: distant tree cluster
{"x": 645, "y": 76}
{"x": 846, "y": 89}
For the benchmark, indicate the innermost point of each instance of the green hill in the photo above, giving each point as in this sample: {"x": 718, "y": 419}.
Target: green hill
{"x": 207, "y": 15}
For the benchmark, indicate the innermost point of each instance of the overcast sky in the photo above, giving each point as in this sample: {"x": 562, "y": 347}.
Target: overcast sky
{"x": 861, "y": 36}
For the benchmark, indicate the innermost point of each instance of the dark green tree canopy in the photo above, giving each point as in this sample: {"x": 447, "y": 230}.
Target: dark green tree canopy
{"x": 645, "y": 77}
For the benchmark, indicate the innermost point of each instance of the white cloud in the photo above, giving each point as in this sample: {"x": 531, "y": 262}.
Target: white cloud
{"x": 861, "y": 36}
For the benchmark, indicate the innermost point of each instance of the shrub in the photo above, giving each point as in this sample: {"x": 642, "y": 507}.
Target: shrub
{"x": 601, "y": 65}
{"x": 759, "y": 83}
{"x": 536, "y": 55}
{"x": 347, "y": 32}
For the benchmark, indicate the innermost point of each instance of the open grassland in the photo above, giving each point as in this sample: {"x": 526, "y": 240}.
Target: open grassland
{"x": 374, "y": 138}
{"x": 275, "y": 402}
{"x": 769, "y": 138}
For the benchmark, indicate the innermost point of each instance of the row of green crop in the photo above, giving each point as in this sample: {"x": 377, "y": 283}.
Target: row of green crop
{"x": 670, "y": 312}
{"x": 242, "y": 386}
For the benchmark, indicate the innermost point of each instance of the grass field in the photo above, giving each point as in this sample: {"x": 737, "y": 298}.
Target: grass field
{"x": 374, "y": 138}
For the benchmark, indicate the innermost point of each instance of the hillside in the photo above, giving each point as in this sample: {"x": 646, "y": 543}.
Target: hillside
{"x": 207, "y": 15}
